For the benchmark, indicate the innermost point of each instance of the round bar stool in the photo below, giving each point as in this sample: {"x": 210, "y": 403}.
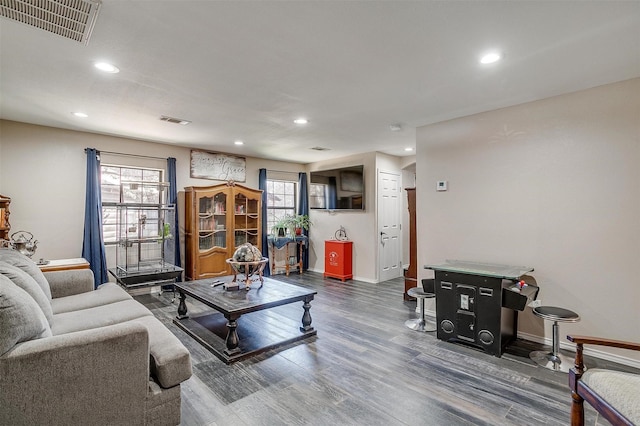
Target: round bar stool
{"x": 554, "y": 360}
{"x": 420, "y": 323}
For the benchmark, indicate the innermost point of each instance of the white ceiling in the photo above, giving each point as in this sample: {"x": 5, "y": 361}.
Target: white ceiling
{"x": 245, "y": 69}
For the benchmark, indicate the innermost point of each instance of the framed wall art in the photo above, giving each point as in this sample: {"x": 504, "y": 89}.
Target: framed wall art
{"x": 217, "y": 166}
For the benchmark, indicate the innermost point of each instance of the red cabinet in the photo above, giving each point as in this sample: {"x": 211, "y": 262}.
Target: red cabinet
{"x": 338, "y": 256}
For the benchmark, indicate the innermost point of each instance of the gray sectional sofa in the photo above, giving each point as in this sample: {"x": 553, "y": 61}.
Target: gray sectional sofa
{"x": 74, "y": 355}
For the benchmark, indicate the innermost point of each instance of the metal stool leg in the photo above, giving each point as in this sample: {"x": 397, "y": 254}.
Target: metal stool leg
{"x": 554, "y": 360}
{"x": 555, "y": 339}
{"x": 426, "y": 324}
{"x": 420, "y": 323}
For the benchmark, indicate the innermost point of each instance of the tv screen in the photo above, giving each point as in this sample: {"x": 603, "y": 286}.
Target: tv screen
{"x": 337, "y": 189}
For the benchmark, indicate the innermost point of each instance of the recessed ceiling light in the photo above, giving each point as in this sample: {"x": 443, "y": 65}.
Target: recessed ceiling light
{"x": 396, "y": 127}
{"x": 80, "y": 114}
{"x": 408, "y": 149}
{"x": 301, "y": 121}
{"x": 490, "y": 58}
{"x": 106, "y": 67}
{"x": 239, "y": 143}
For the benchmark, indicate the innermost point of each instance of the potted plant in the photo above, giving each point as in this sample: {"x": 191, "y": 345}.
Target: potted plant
{"x": 291, "y": 225}
{"x": 280, "y": 227}
{"x": 301, "y": 222}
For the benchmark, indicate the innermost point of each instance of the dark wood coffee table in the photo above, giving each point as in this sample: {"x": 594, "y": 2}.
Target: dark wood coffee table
{"x": 228, "y": 338}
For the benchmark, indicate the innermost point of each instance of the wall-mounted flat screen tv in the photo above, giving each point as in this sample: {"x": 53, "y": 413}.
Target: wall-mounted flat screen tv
{"x": 337, "y": 189}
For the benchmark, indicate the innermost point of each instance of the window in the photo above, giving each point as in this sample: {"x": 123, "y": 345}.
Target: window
{"x": 317, "y": 196}
{"x": 281, "y": 201}
{"x": 113, "y": 192}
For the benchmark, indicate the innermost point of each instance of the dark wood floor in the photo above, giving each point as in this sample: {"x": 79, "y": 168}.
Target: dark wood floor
{"x": 366, "y": 368}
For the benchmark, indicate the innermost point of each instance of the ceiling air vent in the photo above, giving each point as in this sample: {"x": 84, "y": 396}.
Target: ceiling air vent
{"x": 319, "y": 148}
{"x": 73, "y": 19}
{"x": 174, "y": 120}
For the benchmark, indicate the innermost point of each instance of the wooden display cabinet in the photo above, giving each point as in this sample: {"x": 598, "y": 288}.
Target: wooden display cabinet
{"x": 218, "y": 219}
{"x": 4, "y": 218}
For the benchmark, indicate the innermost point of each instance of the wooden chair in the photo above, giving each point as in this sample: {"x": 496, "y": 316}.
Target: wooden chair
{"x": 613, "y": 394}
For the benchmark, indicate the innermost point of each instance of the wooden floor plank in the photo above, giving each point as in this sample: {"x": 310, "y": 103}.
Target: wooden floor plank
{"x": 365, "y": 367}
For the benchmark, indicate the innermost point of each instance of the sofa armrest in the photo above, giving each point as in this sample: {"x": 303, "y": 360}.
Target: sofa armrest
{"x": 98, "y": 376}
{"x": 67, "y": 283}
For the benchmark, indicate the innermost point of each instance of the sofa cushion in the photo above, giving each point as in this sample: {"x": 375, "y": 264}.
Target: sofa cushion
{"x": 103, "y": 295}
{"x": 21, "y": 318}
{"x": 28, "y": 284}
{"x": 70, "y": 282}
{"x": 98, "y": 316}
{"x": 18, "y": 259}
{"x": 170, "y": 361}
{"x": 620, "y": 390}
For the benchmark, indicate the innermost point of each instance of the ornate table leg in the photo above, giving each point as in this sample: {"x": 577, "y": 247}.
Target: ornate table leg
{"x": 286, "y": 255}
{"x": 232, "y": 340}
{"x": 182, "y": 307}
{"x": 306, "y": 317}
{"x": 273, "y": 259}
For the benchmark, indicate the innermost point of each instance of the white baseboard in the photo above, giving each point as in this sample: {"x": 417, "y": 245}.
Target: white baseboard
{"x": 571, "y": 347}
{"x": 366, "y": 280}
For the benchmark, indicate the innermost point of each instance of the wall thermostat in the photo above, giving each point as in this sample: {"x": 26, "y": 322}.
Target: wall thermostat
{"x": 441, "y": 185}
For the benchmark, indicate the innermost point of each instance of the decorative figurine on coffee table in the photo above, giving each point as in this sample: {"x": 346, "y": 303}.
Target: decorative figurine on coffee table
{"x": 248, "y": 261}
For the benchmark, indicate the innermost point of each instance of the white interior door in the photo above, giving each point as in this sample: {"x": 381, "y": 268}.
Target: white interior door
{"x": 389, "y": 235}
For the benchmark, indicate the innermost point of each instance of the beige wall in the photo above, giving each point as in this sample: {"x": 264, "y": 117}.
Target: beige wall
{"x": 43, "y": 170}
{"x": 359, "y": 225}
{"x": 0, "y": 158}
{"x": 554, "y": 185}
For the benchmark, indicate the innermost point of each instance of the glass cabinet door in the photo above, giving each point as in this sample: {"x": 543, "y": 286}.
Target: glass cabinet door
{"x": 240, "y": 210}
{"x": 212, "y": 223}
{"x": 247, "y": 217}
